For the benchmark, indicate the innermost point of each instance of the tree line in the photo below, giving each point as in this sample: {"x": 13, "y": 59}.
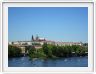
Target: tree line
{"x": 50, "y": 51}
{"x": 14, "y": 51}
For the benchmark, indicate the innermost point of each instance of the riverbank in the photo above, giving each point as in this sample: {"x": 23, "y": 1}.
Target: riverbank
{"x": 52, "y": 51}
{"x": 49, "y": 51}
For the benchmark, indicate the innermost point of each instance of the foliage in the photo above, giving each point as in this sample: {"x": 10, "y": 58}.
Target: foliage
{"x": 14, "y": 51}
{"x": 49, "y": 51}
{"x": 32, "y": 52}
{"x": 53, "y": 51}
{"x": 35, "y": 53}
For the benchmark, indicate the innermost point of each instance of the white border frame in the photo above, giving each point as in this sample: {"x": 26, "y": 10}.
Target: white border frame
{"x": 90, "y": 67}
{"x": 0, "y": 36}
{"x": 48, "y": 0}
{"x": 94, "y": 36}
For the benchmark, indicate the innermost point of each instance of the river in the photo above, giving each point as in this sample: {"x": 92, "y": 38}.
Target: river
{"x": 61, "y": 62}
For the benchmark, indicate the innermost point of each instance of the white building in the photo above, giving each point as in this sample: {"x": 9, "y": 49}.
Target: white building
{"x": 41, "y": 41}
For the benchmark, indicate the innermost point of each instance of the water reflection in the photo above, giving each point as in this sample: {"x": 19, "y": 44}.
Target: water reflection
{"x": 61, "y": 62}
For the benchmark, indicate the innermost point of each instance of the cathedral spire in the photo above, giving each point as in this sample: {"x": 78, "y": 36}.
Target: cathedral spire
{"x": 32, "y": 38}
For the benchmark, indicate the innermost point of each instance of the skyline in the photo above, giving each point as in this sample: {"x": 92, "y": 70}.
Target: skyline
{"x": 69, "y": 24}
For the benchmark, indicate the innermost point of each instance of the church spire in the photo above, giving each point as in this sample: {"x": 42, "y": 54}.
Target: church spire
{"x": 32, "y": 38}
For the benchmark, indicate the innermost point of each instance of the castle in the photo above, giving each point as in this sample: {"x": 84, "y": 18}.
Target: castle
{"x": 38, "y": 42}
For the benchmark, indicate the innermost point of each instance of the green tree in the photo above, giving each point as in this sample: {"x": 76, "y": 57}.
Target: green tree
{"x": 32, "y": 52}
{"x": 14, "y": 51}
{"x": 40, "y": 53}
{"x": 53, "y": 51}
{"x": 45, "y": 48}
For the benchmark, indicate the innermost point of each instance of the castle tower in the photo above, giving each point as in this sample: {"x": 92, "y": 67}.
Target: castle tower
{"x": 32, "y": 38}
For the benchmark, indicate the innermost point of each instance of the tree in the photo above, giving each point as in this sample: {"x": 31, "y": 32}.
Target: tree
{"x": 14, "y": 51}
{"x": 45, "y": 48}
{"x": 40, "y": 53}
{"x": 53, "y": 51}
{"x": 32, "y": 52}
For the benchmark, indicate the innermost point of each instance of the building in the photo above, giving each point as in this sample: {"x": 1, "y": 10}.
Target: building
{"x": 40, "y": 41}
{"x": 68, "y": 43}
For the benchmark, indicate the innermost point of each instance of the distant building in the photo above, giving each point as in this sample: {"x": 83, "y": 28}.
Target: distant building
{"x": 68, "y": 43}
{"x": 38, "y": 42}
{"x": 41, "y": 41}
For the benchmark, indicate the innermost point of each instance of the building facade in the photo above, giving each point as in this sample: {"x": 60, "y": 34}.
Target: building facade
{"x": 38, "y": 42}
{"x": 41, "y": 41}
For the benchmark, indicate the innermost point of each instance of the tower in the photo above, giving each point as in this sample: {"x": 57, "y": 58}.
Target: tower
{"x": 32, "y": 38}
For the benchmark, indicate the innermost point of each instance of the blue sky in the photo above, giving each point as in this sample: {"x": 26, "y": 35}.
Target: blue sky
{"x": 53, "y": 23}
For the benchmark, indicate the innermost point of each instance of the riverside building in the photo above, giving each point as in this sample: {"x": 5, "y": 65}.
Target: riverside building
{"x": 41, "y": 41}
{"x": 38, "y": 42}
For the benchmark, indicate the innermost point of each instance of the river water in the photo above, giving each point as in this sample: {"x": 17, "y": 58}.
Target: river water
{"x": 61, "y": 62}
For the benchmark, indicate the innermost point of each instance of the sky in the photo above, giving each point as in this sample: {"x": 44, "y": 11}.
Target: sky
{"x": 67, "y": 24}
